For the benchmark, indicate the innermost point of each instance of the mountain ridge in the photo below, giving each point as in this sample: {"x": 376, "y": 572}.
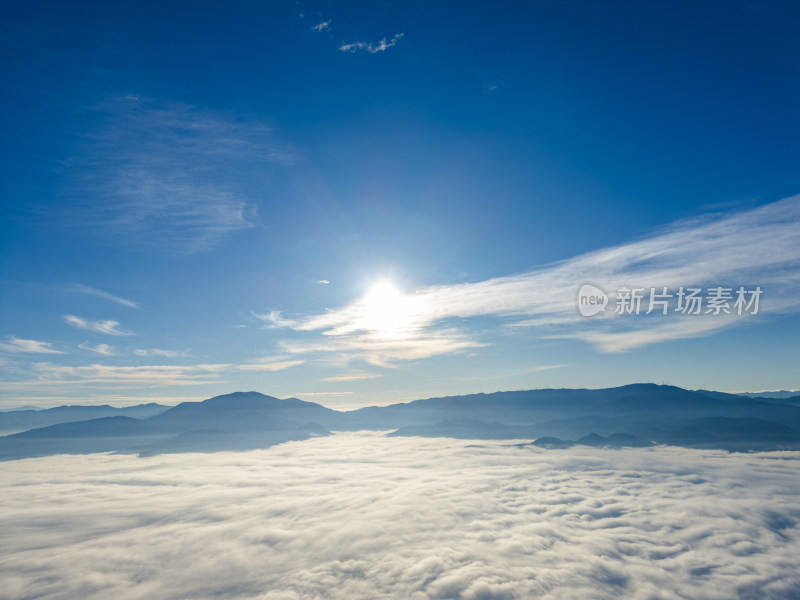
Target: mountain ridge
{"x": 655, "y": 413}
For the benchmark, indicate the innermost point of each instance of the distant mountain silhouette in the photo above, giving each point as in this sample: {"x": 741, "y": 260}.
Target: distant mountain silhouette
{"x": 631, "y": 415}
{"x": 782, "y": 397}
{"x": 22, "y": 420}
{"x": 777, "y": 395}
{"x": 106, "y": 434}
{"x": 552, "y": 443}
{"x": 592, "y": 439}
{"x": 220, "y": 423}
{"x": 720, "y": 395}
{"x": 536, "y": 406}
{"x": 242, "y": 411}
{"x": 741, "y": 434}
{"x": 216, "y": 440}
{"x": 791, "y": 400}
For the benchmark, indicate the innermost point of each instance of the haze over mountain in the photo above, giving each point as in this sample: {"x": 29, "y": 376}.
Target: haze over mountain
{"x": 631, "y": 415}
{"x": 31, "y": 417}
{"x": 237, "y": 421}
{"x": 776, "y": 394}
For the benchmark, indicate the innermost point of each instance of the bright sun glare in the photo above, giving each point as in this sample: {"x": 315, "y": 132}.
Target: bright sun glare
{"x": 387, "y": 311}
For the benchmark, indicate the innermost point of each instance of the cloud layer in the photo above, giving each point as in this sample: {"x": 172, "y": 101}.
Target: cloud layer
{"x": 359, "y": 516}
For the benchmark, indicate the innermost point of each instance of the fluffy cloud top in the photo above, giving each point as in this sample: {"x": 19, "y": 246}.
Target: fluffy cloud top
{"x": 359, "y": 516}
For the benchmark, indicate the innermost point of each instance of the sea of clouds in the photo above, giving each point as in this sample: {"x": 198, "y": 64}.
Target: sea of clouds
{"x": 361, "y": 516}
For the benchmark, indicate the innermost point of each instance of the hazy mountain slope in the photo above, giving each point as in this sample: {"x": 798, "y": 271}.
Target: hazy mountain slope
{"x": 22, "y": 420}
{"x": 664, "y": 414}
{"x": 740, "y": 434}
{"x": 106, "y": 434}
{"x": 782, "y": 397}
{"x": 228, "y": 417}
{"x": 534, "y": 407}
{"x": 242, "y": 411}
{"x": 778, "y": 395}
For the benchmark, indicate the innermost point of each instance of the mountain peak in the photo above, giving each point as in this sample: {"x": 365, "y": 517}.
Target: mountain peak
{"x": 242, "y": 400}
{"x": 648, "y": 387}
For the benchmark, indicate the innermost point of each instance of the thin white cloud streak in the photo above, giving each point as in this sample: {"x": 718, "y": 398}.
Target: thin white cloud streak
{"x": 381, "y": 46}
{"x": 322, "y": 26}
{"x": 106, "y": 327}
{"x": 160, "y": 352}
{"x": 323, "y": 394}
{"x": 168, "y": 175}
{"x": 103, "y": 349}
{"x": 363, "y": 517}
{"x": 622, "y": 341}
{"x": 273, "y": 319}
{"x": 149, "y": 375}
{"x": 271, "y": 365}
{"x": 353, "y": 377}
{"x": 381, "y": 352}
{"x": 748, "y": 248}
{"x": 45, "y": 376}
{"x": 540, "y": 368}
{"x": 90, "y": 291}
{"x": 15, "y": 345}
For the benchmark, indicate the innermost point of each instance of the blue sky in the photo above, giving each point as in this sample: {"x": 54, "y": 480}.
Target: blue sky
{"x": 363, "y": 203}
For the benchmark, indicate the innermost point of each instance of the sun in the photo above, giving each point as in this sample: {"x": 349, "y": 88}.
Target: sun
{"x": 386, "y": 311}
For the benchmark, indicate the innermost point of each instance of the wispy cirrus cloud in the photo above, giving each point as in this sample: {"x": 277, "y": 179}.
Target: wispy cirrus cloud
{"x": 272, "y": 364}
{"x": 352, "y": 377}
{"x": 273, "y": 319}
{"x": 359, "y": 46}
{"x": 148, "y": 375}
{"x": 107, "y": 327}
{"x": 103, "y": 349}
{"x": 15, "y": 344}
{"x": 381, "y": 46}
{"x": 160, "y": 352}
{"x": 756, "y": 247}
{"x": 90, "y": 291}
{"x": 313, "y": 394}
{"x": 165, "y": 176}
{"x": 381, "y": 352}
{"x": 41, "y": 379}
